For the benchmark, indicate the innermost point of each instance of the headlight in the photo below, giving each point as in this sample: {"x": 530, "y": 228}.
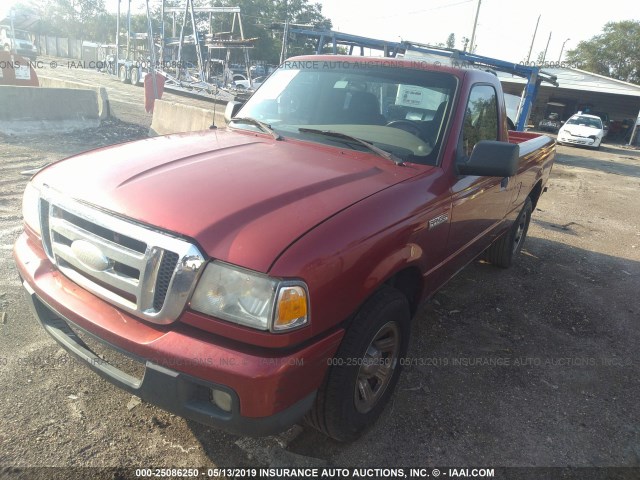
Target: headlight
{"x": 31, "y": 208}
{"x": 250, "y": 298}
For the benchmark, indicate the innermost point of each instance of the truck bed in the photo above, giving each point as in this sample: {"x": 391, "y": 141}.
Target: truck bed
{"x": 530, "y": 141}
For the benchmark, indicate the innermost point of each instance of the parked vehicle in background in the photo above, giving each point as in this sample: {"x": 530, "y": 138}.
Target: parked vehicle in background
{"x": 606, "y": 121}
{"x": 258, "y": 81}
{"x": 19, "y": 42}
{"x": 582, "y": 129}
{"x": 554, "y": 113}
{"x": 270, "y": 270}
{"x": 550, "y": 124}
{"x": 257, "y": 70}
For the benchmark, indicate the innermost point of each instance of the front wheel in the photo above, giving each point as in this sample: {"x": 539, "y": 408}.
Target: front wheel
{"x": 501, "y": 253}
{"x": 366, "y": 368}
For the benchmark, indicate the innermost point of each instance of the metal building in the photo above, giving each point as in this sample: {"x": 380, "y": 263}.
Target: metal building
{"x": 579, "y": 90}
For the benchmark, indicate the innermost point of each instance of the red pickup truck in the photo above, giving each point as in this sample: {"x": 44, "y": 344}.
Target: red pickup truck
{"x": 250, "y": 276}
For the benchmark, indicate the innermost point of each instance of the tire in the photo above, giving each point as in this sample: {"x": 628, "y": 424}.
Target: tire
{"x": 122, "y": 74}
{"x": 501, "y": 253}
{"x": 379, "y": 333}
{"x": 135, "y": 76}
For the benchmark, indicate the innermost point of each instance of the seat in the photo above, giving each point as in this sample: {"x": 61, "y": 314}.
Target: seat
{"x": 432, "y": 128}
{"x": 362, "y": 108}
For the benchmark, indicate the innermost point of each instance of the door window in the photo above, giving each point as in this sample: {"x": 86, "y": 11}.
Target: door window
{"x": 481, "y": 118}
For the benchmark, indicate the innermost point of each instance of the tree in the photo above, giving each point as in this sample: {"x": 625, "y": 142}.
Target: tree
{"x": 261, "y": 19}
{"x": 451, "y": 40}
{"x": 615, "y": 52}
{"x": 264, "y": 19}
{"x": 465, "y": 43}
{"x": 87, "y": 19}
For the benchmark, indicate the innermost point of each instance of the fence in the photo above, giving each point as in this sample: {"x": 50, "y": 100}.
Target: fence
{"x": 59, "y": 46}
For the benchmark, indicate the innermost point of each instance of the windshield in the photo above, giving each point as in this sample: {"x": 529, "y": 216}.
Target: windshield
{"x": 401, "y": 111}
{"x": 22, "y": 35}
{"x": 5, "y": 32}
{"x": 585, "y": 121}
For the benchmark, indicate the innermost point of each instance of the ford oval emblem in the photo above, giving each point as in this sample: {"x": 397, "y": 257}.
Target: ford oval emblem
{"x": 89, "y": 255}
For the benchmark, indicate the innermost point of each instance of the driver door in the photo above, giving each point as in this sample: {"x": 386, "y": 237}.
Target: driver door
{"x": 479, "y": 204}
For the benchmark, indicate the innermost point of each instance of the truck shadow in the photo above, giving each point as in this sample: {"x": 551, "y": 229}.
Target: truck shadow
{"x": 535, "y": 365}
{"x": 587, "y": 159}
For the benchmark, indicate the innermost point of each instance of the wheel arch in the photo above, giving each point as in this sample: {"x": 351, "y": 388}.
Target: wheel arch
{"x": 408, "y": 281}
{"x": 536, "y": 191}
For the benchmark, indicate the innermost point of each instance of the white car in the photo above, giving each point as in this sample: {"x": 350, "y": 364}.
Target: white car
{"x": 582, "y": 129}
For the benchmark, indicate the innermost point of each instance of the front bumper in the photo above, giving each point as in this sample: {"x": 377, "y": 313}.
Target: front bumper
{"x": 269, "y": 390}
{"x": 27, "y": 52}
{"x": 584, "y": 141}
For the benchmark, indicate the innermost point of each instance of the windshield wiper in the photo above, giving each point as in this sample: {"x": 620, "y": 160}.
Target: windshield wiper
{"x": 265, "y": 127}
{"x": 371, "y": 147}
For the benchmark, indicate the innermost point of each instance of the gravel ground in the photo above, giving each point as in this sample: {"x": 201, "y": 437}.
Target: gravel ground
{"x": 533, "y": 366}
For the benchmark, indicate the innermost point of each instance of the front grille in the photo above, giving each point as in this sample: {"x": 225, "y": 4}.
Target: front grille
{"x": 143, "y": 271}
{"x": 165, "y": 274}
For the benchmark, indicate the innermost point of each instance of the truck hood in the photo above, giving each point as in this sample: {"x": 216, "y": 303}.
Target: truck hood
{"x": 243, "y": 198}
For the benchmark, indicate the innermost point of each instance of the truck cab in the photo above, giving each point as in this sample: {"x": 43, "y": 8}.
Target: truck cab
{"x": 17, "y": 41}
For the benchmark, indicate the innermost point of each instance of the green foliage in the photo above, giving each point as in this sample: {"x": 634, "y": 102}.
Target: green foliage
{"x": 615, "y": 52}
{"x": 87, "y": 19}
{"x": 264, "y": 20}
{"x": 261, "y": 19}
{"x": 464, "y": 43}
{"x": 451, "y": 40}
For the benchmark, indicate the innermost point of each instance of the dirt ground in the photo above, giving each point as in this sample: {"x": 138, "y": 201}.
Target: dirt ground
{"x": 537, "y": 365}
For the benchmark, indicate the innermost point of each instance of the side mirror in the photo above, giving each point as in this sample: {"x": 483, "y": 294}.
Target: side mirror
{"x": 232, "y": 108}
{"x": 490, "y": 158}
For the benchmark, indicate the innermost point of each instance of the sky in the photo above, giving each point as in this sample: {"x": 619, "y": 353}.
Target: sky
{"x": 505, "y": 28}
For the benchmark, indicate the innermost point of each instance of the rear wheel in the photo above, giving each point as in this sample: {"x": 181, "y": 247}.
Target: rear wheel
{"x": 135, "y": 75}
{"x": 501, "y": 253}
{"x": 122, "y": 74}
{"x": 366, "y": 368}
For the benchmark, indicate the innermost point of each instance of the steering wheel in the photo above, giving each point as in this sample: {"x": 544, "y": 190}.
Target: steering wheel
{"x": 406, "y": 125}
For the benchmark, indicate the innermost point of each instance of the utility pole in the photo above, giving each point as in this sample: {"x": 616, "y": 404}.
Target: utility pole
{"x": 285, "y": 41}
{"x": 562, "y": 50}
{"x": 129, "y": 31}
{"x": 473, "y": 33}
{"x": 12, "y": 40}
{"x": 547, "y": 48}
{"x": 633, "y": 139}
{"x": 533, "y": 39}
{"x": 285, "y": 34}
{"x": 152, "y": 52}
{"x": 162, "y": 32}
{"x": 116, "y": 68}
